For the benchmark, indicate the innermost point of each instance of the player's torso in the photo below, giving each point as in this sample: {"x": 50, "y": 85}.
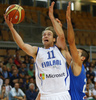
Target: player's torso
{"x": 52, "y": 75}
{"x": 77, "y": 85}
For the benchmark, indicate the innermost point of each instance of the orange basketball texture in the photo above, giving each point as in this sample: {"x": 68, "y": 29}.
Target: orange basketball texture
{"x": 16, "y": 12}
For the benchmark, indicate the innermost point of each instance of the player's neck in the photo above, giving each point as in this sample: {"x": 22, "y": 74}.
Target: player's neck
{"x": 48, "y": 46}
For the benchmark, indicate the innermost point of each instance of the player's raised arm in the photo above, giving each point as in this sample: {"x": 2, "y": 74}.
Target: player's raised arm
{"x": 30, "y": 50}
{"x": 71, "y": 39}
{"x": 61, "y": 38}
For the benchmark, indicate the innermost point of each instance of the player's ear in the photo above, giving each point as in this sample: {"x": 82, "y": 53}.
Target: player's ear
{"x": 54, "y": 39}
{"x": 83, "y": 58}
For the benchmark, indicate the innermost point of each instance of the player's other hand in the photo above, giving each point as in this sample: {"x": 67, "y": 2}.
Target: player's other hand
{"x": 9, "y": 22}
{"x": 51, "y": 10}
{"x": 59, "y": 22}
{"x": 68, "y": 12}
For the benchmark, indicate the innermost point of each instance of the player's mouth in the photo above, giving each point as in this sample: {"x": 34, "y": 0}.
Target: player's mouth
{"x": 46, "y": 40}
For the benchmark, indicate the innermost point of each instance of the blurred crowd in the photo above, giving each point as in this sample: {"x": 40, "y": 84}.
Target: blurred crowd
{"x": 91, "y": 80}
{"x": 17, "y": 78}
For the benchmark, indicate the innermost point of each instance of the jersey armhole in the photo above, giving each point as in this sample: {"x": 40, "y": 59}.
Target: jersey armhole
{"x": 82, "y": 70}
{"x": 37, "y": 51}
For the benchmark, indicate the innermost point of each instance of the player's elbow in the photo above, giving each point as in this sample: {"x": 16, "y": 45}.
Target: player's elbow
{"x": 71, "y": 41}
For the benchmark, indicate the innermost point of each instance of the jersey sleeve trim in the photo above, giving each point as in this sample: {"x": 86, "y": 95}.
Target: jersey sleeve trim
{"x": 37, "y": 50}
{"x": 82, "y": 72}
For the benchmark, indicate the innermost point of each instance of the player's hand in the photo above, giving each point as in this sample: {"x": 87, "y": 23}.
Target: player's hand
{"x": 9, "y": 22}
{"x": 68, "y": 12}
{"x": 51, "y": 10}
{"x": 59, "y": 22}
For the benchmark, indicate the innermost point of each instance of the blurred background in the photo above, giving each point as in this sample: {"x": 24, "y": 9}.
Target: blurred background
{"x": 83, "y": 13}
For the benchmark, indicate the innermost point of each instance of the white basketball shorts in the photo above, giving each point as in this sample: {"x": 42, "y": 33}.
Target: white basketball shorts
{"x": 56, "y": 96}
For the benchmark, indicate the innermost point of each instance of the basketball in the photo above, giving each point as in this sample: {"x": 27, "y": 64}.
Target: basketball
{"x": 16, "y": 12}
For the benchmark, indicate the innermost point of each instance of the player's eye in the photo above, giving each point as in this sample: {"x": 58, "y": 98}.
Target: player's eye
{"x": 49, "y": 34}
{"x": 44, "y": 34}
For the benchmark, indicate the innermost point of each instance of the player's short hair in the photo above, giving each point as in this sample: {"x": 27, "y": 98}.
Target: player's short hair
{"x": 85, "y": 54}
{"x": 53, "y": 31}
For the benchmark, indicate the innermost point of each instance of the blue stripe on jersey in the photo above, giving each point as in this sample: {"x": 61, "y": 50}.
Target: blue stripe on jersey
{"x": 38, "y": 74}
{"x": 67, "y": 73}
{"x": 37, "y": 50}
{"x": 77, "y": 84}
{"x": 66, "y": 66}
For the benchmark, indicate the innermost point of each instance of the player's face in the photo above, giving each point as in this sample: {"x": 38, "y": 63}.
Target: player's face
{"x": 47, "y": 39}
{"x": 80, "y": 54}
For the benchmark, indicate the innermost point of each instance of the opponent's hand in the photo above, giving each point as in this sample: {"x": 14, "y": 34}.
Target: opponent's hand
{"x": 9, "y": 22}
{"x": 68, "y": 12}
{"x": 59, "y": 22}
{"x": 51, "y": 10}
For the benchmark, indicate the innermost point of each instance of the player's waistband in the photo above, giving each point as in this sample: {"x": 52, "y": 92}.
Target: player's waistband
{"x": 54, "y": 94}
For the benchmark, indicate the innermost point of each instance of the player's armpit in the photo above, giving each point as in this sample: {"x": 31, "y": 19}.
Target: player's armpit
{"x": 76, "y": 69}
{"x": 30, "y": 50}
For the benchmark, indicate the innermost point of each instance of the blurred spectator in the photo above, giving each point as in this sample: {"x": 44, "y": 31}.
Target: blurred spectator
{"x": 31, "y": 71}
{"x": 17, "y": 60}
{"x": 91, "y": 85}
{"x": 27, "y": 61}
{"x": 8, "y": 87}
{"x": 88, "y": 93}
{"x": 88, "y": 63}
{"x": 1, "y": 76}
{"x": 6, "y": 58}
{"x": 16, "y": 93}
{"x": 22, "y": 71}
{"x": 10, "y": 63}
{"x": 22, "y": 85}
{"x": 90, "y": 74}
{"x": 14, "y": 78}
{"x": 5, "y": 72}
{"x": 11, "y": 70}
{"x": 31, "y": 80}
{"x": 1, "y": 83}
{"x": 26, "y": 78}
{"x": 31, "y": 94}
{"x": 32, "y": 62}
{"x": 3, "y": 95}
{"x": 94, "y": 92}
{"x": 1, "y": 66}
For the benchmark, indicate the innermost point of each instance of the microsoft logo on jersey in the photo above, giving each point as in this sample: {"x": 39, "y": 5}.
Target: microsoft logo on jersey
{"x": 42, "y": 76}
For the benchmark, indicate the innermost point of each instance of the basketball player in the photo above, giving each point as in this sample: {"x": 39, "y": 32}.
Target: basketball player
{"x": 76, "y": 69}
{"x": 52, "y": 76}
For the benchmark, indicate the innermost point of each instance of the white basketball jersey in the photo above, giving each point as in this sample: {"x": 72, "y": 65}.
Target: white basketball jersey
{"x": 52, "y": 75}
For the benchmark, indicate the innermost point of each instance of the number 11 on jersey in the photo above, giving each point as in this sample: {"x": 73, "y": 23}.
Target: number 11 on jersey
{"x": 50, "y": 54}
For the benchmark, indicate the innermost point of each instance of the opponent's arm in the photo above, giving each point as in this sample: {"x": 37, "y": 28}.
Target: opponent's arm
{"x": 71, "y": 40}
{"x": 38, "y": 96}
{"x": 65, "y": 52}
{"x": 30, "y": 50}
{"x": 61, "y": 38}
